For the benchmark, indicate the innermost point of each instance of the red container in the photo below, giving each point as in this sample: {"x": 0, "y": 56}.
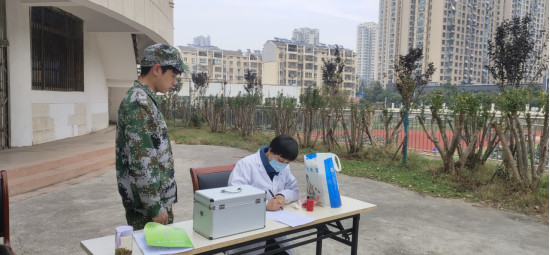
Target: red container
{"x": 309, "y": 205}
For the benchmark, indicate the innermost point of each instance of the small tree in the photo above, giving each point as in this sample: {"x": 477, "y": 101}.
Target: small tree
{"x": 171, "y": 102}
{"x": 354, "y": 133}
{"x": 281, "y": 114}
{"x": 213, "y": 109}
{"x": 200, "y": 82}
{"x": 487, "y": 140}
{"x": 332, "y": 81}
{"x": 311, "y": 104}
{"x": 244, "y": 106}
{"x": 253, "y": 82}
{"x": 367, "y": 115}
{"x": 517, "y": 144}
{"x": 410, "y": 81}
{"x": 515, "y": 60}
{"x": 446, "y": 145}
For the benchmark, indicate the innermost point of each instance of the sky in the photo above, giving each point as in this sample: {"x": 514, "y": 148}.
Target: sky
{"x": 248, "y": 24}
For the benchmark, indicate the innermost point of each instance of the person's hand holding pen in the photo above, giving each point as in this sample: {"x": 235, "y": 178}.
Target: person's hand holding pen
{"x": 276, "y": 203}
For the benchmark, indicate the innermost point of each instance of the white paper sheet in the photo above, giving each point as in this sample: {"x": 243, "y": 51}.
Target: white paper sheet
{"x": 289, "y": 218}
{"x": 155, "y": 250}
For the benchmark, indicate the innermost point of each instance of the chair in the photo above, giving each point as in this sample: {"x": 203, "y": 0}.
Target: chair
{"x": 210, "y": 177}
{"x": 5, "y": 211}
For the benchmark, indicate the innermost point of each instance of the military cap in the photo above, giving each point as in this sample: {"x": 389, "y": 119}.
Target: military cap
{"x": 163, "y": 54}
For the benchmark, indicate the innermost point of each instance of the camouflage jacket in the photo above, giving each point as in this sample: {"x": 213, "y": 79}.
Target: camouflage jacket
{"x": 144, "y": 162}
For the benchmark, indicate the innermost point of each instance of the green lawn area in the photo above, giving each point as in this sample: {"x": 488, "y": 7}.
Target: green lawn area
{"x": 421, "y": 174}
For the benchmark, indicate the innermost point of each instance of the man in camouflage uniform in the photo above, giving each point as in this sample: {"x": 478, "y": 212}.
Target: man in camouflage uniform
{"x": 144, "y": 162}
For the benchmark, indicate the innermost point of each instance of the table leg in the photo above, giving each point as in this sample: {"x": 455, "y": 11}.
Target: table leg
{"x": 355, "y": 234}
{"x": 319, "y": 248}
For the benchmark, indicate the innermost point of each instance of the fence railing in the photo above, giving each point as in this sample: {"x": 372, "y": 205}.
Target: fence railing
{"x": 418, "y": 141}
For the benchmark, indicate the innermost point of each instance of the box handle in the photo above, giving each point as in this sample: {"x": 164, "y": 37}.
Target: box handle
{"x": 232, "y": 191}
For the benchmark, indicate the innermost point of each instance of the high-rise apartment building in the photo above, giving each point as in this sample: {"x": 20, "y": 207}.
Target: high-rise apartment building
{"x": 288, "y": 63}
{"x": 202, "y": 40}
{"x": 366, "y": 52}
{"x": 452, "y": 33}
{"x": 221, "y": 65}
{"x": 306, "y": 35}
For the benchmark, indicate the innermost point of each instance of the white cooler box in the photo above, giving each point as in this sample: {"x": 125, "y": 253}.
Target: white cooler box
{"x": 229, "y": 210}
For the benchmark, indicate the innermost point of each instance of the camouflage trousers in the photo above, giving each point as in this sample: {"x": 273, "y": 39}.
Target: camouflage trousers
{"x": 138, "y": 220}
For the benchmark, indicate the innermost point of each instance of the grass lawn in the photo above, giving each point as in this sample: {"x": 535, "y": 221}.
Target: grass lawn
{"x": 421, "y": 174}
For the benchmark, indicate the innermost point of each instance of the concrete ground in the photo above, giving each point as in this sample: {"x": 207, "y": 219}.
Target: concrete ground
{"x": 55, "y": 219}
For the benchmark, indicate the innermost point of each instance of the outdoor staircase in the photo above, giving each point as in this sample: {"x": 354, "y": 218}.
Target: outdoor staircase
{"x": 33, "y": 177}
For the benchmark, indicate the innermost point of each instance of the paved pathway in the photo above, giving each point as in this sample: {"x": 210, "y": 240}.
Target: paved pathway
{"x": 55, "y": 220}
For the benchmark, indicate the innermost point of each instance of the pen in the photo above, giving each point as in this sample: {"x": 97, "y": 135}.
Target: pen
{"x": 270, "y": 192}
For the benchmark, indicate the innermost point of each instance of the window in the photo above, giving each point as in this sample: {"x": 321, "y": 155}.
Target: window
{"x": 293, "y": 47}
{"x": 57, "y": 50}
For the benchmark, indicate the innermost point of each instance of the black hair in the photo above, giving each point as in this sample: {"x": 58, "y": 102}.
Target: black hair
{"x": 146, "y": 69}
{"x": 284, "y": 146}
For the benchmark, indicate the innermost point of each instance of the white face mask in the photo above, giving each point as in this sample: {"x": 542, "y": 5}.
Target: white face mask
{"x": 278, "y": 166}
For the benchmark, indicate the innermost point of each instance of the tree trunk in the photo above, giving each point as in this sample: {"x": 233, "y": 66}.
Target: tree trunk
{"x": 324, "y": 124}
{"x": 462, "y": 159}
{"x": 543, "y": 153}
{"x": 367, "y": 127}
{"x": 445, "y": 148}
{"x": 522, "y": 153}
{"x": 449, "y": 163}
{"x": 406, "y": 138}
{"x": 530, "y": 145}
{"x": 508, "y": 158}
{"x": 520, "y": 156}
{"x": 394, "y": 133}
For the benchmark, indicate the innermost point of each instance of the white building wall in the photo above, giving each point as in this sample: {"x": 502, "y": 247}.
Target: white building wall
{"x": 120, "y": 72}
{"x": 41, "y": 116}
{"x": 19, "y": 60}
{"x": 109, "y": 67}
{"x": 95, "y": 85}
{"x": 150, "y": 14}
{"x": 233, "y": 90}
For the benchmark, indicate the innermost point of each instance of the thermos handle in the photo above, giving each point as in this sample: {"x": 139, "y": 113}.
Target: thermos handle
{"x": 338, "y": 166}
{"x": 117, "y": 239}
{"x": 231, "y": 191}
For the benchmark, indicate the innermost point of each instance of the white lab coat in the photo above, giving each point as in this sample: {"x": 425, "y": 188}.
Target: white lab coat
{"x": 251, "y": 171}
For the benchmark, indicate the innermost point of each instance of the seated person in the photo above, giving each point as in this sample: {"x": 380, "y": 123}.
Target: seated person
{"x": 269, "y": 170}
